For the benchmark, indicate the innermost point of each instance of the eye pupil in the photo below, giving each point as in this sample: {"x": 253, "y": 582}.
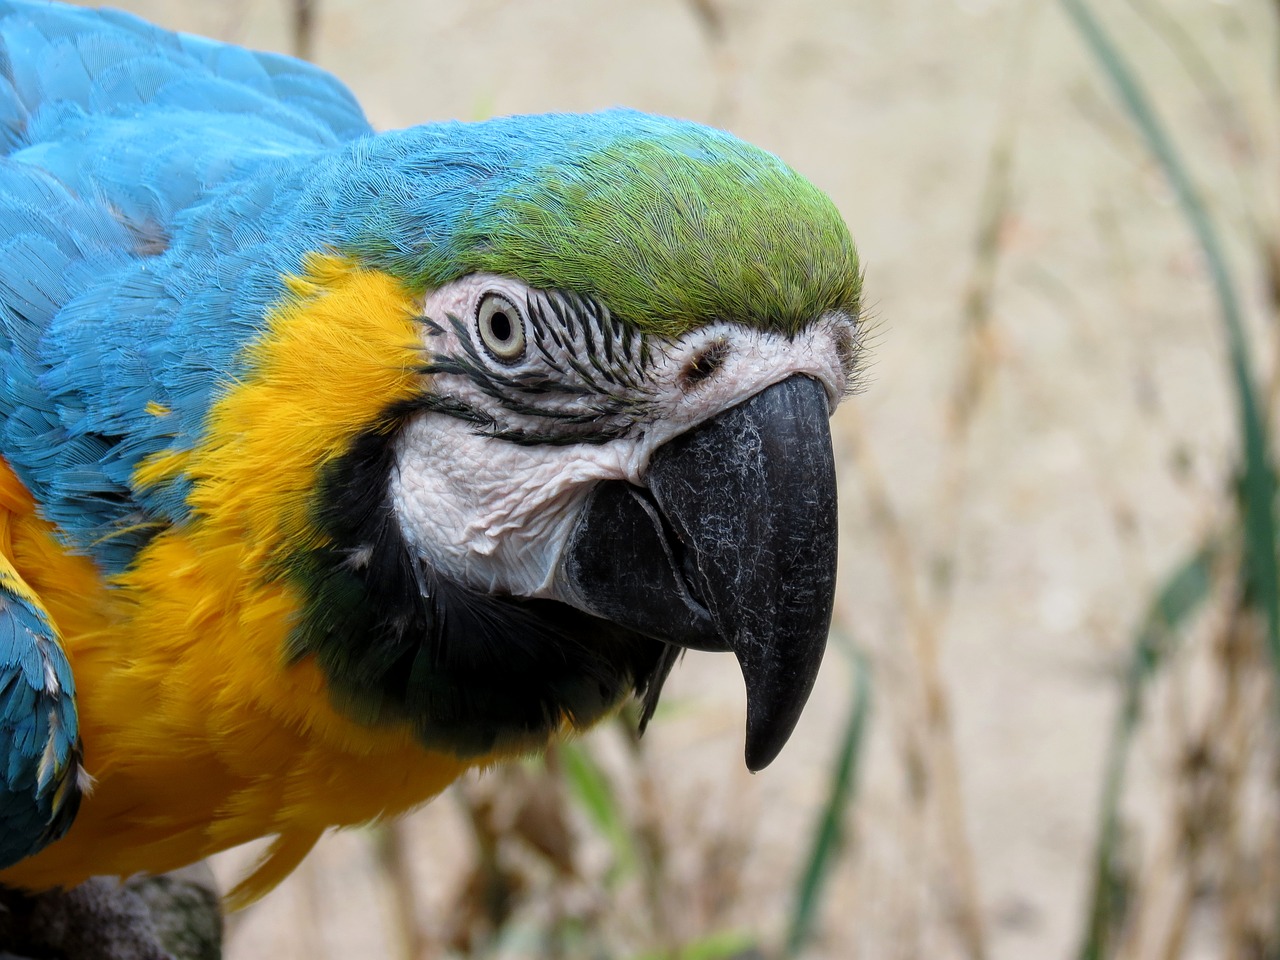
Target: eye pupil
{"x": 500, "y": 324}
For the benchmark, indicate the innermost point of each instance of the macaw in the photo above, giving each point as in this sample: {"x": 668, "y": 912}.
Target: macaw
{"x": 334, "y": 463}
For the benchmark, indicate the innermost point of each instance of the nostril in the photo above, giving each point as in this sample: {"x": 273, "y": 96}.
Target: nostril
{"x": 704, "y": 363}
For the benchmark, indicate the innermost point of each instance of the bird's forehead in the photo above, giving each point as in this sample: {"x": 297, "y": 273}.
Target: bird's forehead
{"x": 671, "y": 224}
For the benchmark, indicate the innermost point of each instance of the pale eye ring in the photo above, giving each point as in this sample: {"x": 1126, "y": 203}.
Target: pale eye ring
{"x": 501, "y": 328}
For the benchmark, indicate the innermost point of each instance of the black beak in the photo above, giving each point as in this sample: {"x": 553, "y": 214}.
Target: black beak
{"x": 731, "y": 547}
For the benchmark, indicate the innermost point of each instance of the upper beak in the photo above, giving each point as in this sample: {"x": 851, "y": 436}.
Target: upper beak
{"x": 732, "y": 546}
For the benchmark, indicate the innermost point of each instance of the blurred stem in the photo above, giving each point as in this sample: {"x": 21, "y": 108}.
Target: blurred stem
{"x": 1241, "y": 145}
{"x": 961, "y": 879}
{"x": 650, "y": 841}
{"x": 1236, "y": 727}
{"x": 304, "y": 24}
{"x": 715, "y": 34}
{"x": 1182, "y": 594}
{"x": 1270, "y": 249}
{"x": 1200, "y": 68}
{"x": 980, "y": 350}
{"x": 309, "y": 936}
{"x": 391, "y": 848}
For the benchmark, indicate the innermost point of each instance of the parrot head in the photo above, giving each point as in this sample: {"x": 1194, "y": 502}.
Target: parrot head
{"x": 631, "y": 333}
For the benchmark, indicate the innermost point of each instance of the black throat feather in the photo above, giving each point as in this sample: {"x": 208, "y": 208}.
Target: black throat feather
{"x": 472, "y": 673}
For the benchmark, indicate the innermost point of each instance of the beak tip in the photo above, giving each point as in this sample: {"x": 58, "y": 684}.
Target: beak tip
{"x": 768, "y": 731}
{"x": 757, "y": 760}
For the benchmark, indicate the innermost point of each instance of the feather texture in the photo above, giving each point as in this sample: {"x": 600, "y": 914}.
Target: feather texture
{"x": 40, "y": 775}
{"x": 210, "y": 275}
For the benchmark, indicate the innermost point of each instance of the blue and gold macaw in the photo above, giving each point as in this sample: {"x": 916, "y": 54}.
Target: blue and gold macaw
{"x": 335, "y": 463}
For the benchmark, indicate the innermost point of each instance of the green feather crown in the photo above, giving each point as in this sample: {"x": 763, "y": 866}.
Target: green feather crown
{"x": 669, "y": 224}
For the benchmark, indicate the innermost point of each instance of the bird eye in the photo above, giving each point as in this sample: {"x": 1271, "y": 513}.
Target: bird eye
{"x": 501, "y": 328}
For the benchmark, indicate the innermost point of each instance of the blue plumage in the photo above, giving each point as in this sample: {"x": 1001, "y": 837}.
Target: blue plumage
{"x": 38, "y": 727}
{"x": 106, "y": 302}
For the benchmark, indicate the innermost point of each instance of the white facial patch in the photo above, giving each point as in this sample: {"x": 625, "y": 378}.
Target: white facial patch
{"x": 494, "y": 514}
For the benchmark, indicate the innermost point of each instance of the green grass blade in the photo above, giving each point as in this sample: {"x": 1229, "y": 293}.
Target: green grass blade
{"x": 590, "y": 787}
{"x": 828, "y": 836}
{"x": 1258, "y": 488}
{"x": 1182, "y": 594}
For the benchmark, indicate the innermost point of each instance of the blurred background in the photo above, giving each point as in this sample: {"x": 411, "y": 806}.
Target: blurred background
{"x": 1046, "y": 724}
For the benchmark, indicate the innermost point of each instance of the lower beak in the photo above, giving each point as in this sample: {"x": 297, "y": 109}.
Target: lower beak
{"x": 732, "y": 546}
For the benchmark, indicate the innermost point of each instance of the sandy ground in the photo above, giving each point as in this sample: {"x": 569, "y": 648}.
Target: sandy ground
{"x": 1095, "y": 457}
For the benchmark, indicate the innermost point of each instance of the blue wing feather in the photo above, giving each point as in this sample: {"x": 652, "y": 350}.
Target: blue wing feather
{"x": 39, "y": 747}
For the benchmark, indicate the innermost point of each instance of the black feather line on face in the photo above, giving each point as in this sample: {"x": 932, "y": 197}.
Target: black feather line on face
{"x": 470, "y": 672}
{"x": 581, "y": 381}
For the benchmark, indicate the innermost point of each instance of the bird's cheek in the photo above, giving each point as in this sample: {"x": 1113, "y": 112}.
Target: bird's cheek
{"x": 490, "y": 514}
